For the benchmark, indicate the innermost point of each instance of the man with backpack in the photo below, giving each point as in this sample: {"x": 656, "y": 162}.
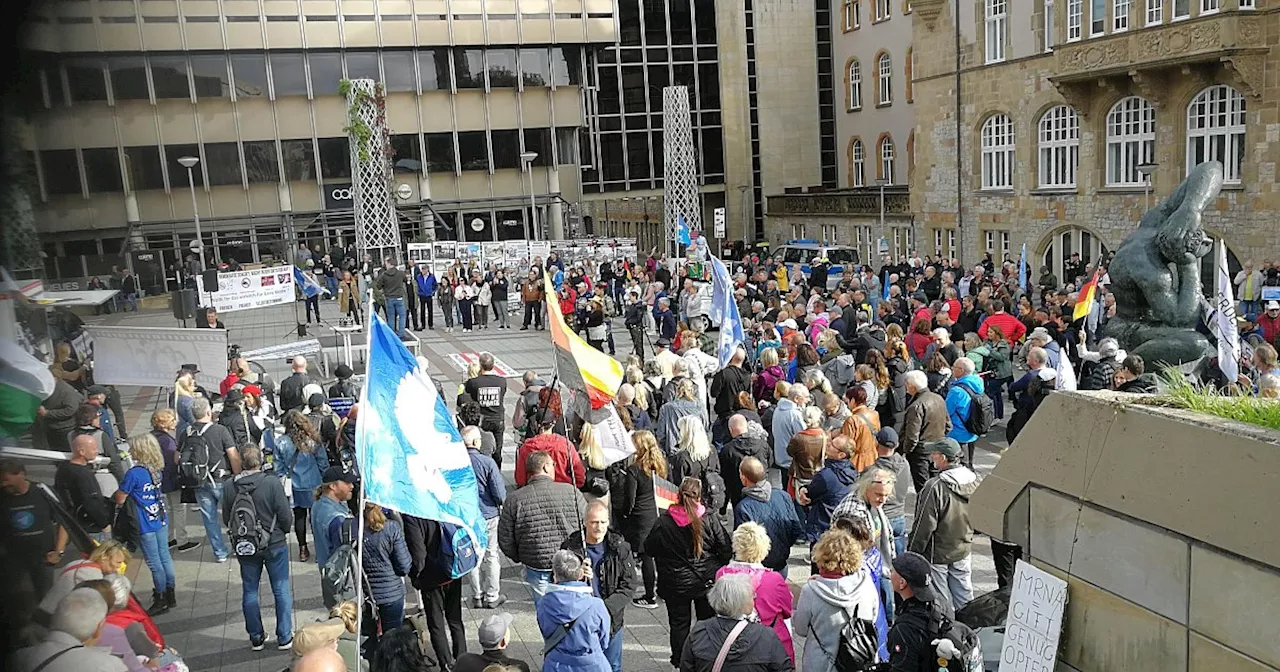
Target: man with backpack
{"x": 923, "y": 617}
{"x": 437, "y": 566}
{"x": 258, "y": 516}
{"x": 941, "y": 531}
{"x": 489, "y": 390}
{"x": 207, "y": 457}
{"x": 330, "y": 508}
{"x": 971, "y": 411}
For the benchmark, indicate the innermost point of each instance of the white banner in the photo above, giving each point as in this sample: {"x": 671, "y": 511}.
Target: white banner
{"x": 493, "y": 252}
{"x": 1225, "y": 320}
{"x": 153, "y": 355}
{"x": 539, "y": 249}
{"x": 419, "y": 253}
{"x": 243, "y": 290}
{"x": 517, "y": 256}
{"x": 1034, "y": 622}
{"x": 615, "y": 441}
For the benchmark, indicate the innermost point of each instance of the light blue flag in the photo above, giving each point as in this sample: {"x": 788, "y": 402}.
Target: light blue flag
{"x": 1022, "y": 268}
{"x": 308, "y": 285}
{"x": 410, "y": 454}
{"x": 682, "y": 231}
{"x": 725, "y": 311}
{"x": 885, "y": 285}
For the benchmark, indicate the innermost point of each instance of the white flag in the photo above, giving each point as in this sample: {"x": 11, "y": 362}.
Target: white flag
{"x": 1066, "y": 374}
{"x": 1225, "y": 320}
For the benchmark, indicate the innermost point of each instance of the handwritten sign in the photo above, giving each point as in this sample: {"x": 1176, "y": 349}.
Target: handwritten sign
{"x": 1034, "y": 623}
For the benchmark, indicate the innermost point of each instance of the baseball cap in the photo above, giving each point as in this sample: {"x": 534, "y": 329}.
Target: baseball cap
{"x": 335, "y": 474}
{"x": 663, "y": 342}
{"x": 316, "y": 400}
{"x": 1273, "y": 305}
{"x": 946, "y": 445}
{"x": 789, "y": 324}
{"x": 492, "y": 629}
{"x": 316, "y": 636}
{"x": 887, "y": 437}
{"x": 917, "y": 572}
{"x": 96, "y": 389}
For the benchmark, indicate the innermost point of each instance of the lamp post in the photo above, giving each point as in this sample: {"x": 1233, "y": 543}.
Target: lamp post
{"x": 884, "y": 232}
{"x": 526, "y": 160}
{"x": 190, "y": 162}
{"x": 1145, "y": 170}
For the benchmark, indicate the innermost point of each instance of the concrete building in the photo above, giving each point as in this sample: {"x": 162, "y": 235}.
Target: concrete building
{"x": 117, "y": 92}
{"x": 1063, "y": 114}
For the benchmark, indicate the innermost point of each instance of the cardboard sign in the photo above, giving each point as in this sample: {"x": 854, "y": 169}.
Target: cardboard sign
{"x": 464, "y": 359}
{"x": 1034, "y": 623}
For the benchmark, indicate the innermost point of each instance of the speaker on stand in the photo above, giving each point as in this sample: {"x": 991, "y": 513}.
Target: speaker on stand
{"x": 183, "y": 302}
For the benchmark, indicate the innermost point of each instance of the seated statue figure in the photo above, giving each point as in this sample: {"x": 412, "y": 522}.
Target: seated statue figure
{"x": 1155, "y": 275}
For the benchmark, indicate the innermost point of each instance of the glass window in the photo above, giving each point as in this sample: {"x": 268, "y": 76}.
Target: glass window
{"x": 503, "y": 73}
{"x": 61, "y": 171}
{"x": 169, "y": 77}
{"x": 209, "y": 73}
{"x": 1181, "y": 9}
{"x": 335, "y": 158}
{"x": 535, "y": 67}
{"x": 1209, "y": 6}
{"x": 363, "y": 65}
{"x": 566, "y": 66}
{"x": 406, "y": 152}
{"x": 1097, "y": 17}
{"x": 613, "y": 161}
{"x": 326, "y": 72}
{"x": 468, "y": 68}
{"x": 299, "y": 160}
{"x": 102, "y": 170}
{"x": 537, "y": 140}
{"x": 506, "y": 149}
{"x": 143, "y": 164}
{"x": 85, "y": 79}
{"x": 855, "y": 85}
{"x": 1059, "y": 147}
{"x": 1155, "y": 12}
{"x": 858, "y": 169}
{"x": 712, "y": 151}
{"x": 1131, "y": 141}
{"x": 887, "y": 159}
{"x": 885, "y": 80}
{"x": 288, "y": 75}
{"x": 399, "y": 68}
{"x": 250, "y": 72}
{"x": 472, "y": 150}
{"x": 567, "y": 145}
{"x": 629, "y": 24}
{"x": 223, "y": 163}
{"x": 708, "y": 86}
{"x": 440, "y": 153}
{"x": 704, "y": 12}
{"x": 638, "y": 156}
{"x": 655, "y": 21}
{"x": 1120, "y": 16}
{"x": 681, "y": 18}
{"x": 178, "y": 173}
{"x": 633, "y": 89}
{"x": 433, "y": 69}
{"x": 1075, "y": 19}
{"x": 128, "y": 78}
{"x": 997, "y": 152}
{"x": 997, "y": 16}
{"x": 1049, "y": 36}
{"x": 607, "y": 98}
{"x": 260, "y": 164}
{"x": 1215, "y": 130}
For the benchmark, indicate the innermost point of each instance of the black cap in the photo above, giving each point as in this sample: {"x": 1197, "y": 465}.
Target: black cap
{"x": 233, "y": 395}
{"x": 343, "y": 371}
{"x": 190, "y": 368}
{"x": 920, "y": 296}
{"x": 918, "y": 573}
{"x": 70, "y": 365}
{"x": 335, "y": 474}
{"x": 315, "y": 400}
{"x": 96, "y": 389}
{"x": 662, "y": 342}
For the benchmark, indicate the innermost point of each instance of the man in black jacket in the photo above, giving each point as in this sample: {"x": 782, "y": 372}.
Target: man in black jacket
{"x": 441, "y": 593}
{"x": 489, "y": 390}
{"x": 918, "y": 617}
{"x": 275, "y": 514}
{"x": 76, "y": 484}
{"x": 536, "y": 517}
{"x": 611, "y": 571}
{"x": 741, "y": 445}
{"x": 291, "y": 388}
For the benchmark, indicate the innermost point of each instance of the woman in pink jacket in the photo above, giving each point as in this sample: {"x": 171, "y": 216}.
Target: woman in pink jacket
{"x": 773, "y": 597}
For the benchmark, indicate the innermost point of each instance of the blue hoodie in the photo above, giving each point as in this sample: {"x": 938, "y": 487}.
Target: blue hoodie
{"x": 959, "y": 406}
{"x": 582, "y": 649}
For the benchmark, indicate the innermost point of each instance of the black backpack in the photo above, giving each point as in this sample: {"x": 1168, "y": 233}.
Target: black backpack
{"x": 982, "y": 412}
{"x": 858, "y": 645}
{"x": 249, "y": 537}
{"x": 963, "y": 638}
{"x": 339, "y": 573}
{"x": 196, "y": 465}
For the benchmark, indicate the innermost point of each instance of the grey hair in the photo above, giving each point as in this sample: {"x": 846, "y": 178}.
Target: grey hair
{"x": 732, "y": 596}
{"x": 966, "y": 365}
{"x": 942, "y": 335}
{"x": 1039, "y": 354}
{"x": 200, "y": 408}
{"x": 626, "y": 393}
{"x": 1267, "y": 383}
{"x": 813, "y": 417}
{"x": 679, "y": 367}
{"x": 250, "y": 457}
{"x": 80, "y": 614}
{"x": 1108, "y": 347}
{"x": 120, "y": 584}
{"x": 471, "y": 436}
{"x": 797, "y": 393}
{"x": 565, "y": 566}
{"x": 916, "y": 379}
{"x": 815, "y": 379}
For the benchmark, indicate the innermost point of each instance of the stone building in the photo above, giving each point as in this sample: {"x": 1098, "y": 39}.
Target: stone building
{"x": 1063, "y": 113}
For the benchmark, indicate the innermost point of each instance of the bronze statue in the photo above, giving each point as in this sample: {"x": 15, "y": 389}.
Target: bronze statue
{"x": 1155, "y": 275}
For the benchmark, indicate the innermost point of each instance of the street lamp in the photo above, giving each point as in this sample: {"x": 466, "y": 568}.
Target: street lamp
{"x": 1145, "y": 170}
{"x": 884, "y": 232}
{"x": 190, "y": 162}
{"x": 526, "y": 160}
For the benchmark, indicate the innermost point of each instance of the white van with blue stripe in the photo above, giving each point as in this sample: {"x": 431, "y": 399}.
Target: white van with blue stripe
{"x": 804, "y": 251}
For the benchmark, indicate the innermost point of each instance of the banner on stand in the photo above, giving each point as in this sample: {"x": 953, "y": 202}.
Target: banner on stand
{"x": 469, "y": 254}
{"x": 443, "y": 254}
{"x": 244, "y": 290}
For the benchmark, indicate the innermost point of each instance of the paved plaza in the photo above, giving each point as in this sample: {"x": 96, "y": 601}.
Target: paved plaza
{"x": 208, "y": 628}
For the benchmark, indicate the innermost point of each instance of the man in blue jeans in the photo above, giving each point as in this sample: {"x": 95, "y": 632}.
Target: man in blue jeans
{"x": 275, "y": 514}
{"x": 224, "y": 461}
{"x": 391, "y": 281}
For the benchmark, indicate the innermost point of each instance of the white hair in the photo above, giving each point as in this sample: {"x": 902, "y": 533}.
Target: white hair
{"x": 916, "y": 379}
{"x": 1039, "y": 354}
{"x": 565, "y": 566}
{"x": 966, "y": 365}
{"x": 693, "y": 437}
{"x": 942, "y": 335}
{"x": 732, "y": 596}
{"x": 120, "y": 584}
{"x": 813, "y": 417}
{"x": 80, "y": 614}
{"x": 798, "y": 393}
{"x": 1108, "y": 347}
{"x": 471, "y": 436}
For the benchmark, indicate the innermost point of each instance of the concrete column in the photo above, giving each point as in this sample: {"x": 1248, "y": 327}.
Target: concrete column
{"x": 555, "y": 211}
{"x": 424, "y": 196}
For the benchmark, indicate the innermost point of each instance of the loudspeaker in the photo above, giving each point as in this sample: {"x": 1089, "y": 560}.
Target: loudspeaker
{"x": 210, "y": 280}
{"x": 183, "y": 302}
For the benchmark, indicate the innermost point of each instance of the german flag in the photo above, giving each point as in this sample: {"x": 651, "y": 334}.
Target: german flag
{"x": 1085, "y": 297}
{"x": 578, "y": 365}
{"x": 665, "y": 493}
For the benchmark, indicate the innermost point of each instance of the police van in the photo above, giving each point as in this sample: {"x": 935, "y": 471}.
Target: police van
{"x": 802, "y": 252}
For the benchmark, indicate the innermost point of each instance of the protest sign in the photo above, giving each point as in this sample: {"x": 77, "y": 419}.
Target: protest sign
{"x": 1034, "y": 623}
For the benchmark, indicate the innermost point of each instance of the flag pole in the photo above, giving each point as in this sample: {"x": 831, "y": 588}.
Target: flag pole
{"x": 359, "y": 536}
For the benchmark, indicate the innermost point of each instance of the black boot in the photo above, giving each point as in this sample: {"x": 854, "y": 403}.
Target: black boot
{"x": 171, "y": 597}
{"x": 158, "y": 604}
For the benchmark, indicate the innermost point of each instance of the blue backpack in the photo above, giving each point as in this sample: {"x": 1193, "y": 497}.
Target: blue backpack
{"x": 458, "y": 554}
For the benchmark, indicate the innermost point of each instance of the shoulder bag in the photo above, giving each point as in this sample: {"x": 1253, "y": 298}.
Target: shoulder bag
{"x": 728, "y": 642}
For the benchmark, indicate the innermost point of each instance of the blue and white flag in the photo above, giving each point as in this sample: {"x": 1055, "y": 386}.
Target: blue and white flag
{"x": 308, "y": 285}
{"x": 725, "y": 311}
{"x": 682, "y": 231}
{"x": 1022, "y": 268}
{"x": 410, "y": 454}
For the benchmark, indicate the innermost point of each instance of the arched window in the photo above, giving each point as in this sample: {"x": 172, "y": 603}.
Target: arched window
{"x": 886, "y": 158}
{"x": 997, "y": 152}
{"x": 1131, "y": 141}
{"x": 855, "y": 85}
{"x": 857, "y": 164}
{"x": 1059, "y": 147}
{"x": 1215, "y": 130}
{"x": 910, "y": 68}
{"x": 884, "y": 79}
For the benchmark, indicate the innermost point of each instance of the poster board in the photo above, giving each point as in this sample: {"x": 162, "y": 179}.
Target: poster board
{"x": 245, "y": 290}
{"x": 469, "y": 254}
{"x": 1034, "y": 623}
{"x": 418, "y": 253}
{"x": 443, "y": 253}
{"x": 153, "y": 355}
{"x": 516, "y": 255}
{"x": 493, "y": 252}
{"x": 539, "y": 250}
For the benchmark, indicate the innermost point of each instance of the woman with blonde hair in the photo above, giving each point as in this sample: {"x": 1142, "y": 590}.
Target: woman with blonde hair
{"x": 773, "y": 601}
{"x": 164, "y": 426}
{"x": 694, "y": 456}
{"x": 386, "y": 561}
{"x": 300, "y": 462}
{"x": 683, "y": 405}
{"x": 142, "y": 486}
{"x": 842, "y": 590}
{"x": 592, "y": 454}
{"x": 770, "y": 373}
{"x": 108, "y": 557}
{"x": 635, "y": 510}
{"x": 184, "y": 392}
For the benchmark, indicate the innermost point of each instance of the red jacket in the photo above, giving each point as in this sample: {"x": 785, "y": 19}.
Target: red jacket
{"x": 569, "y": 467}
{"x": 1270, "y": 327}
{"x": 1013, "y": 328}
{"x": 227, "y": 383}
